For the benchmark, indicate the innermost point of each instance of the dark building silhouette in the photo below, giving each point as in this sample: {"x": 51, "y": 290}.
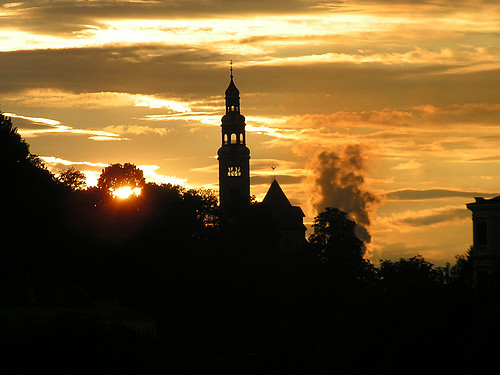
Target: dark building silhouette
{"x": 234, "y": 159}
{"x": 486, "y": 239}
{"x": 284, "y": 218}
{"x": 276, "y": 212}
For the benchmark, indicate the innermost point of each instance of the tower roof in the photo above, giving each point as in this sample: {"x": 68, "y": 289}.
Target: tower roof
{"x": 277, "y": 207}
{"x": 275, "y": 197}
{"x": 232, "y": 91}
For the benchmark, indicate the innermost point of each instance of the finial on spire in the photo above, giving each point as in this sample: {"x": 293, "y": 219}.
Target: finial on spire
{"x": 274, "y": 172}
{"x": 231, "y": 63}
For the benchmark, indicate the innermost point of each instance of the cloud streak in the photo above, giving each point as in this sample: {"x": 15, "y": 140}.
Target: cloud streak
{"x": 424, "y": 219}
{"x": 413, "y": 194}
{"x": 52, "y": 127}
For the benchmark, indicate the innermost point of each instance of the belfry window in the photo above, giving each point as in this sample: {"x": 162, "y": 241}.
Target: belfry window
{"x": 234, "y": 171}
{"x": 226, "y": 139}
{"x": 233, "y": 139}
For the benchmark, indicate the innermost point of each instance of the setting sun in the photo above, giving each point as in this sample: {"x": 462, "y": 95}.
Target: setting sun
{"x": 125, "y": 192}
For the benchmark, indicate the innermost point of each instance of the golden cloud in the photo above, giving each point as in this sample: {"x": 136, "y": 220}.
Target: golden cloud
{"x": 64, "y": 99}
{"x": 137, "y": 130}
{"x": 51, "y": 127}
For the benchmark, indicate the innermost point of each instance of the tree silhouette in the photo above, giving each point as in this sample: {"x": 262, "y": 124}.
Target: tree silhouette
{"x": 13, "y": 149}
{"x": 461, "y": 271}
{"x": 73, "y": 179}
{"x": 118, "y": 175}
{"x": 412, "y": 275}
{"x": 334, "y": 236}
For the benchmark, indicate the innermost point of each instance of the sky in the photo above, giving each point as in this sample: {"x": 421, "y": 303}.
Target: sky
{"x": 388, "y": 110}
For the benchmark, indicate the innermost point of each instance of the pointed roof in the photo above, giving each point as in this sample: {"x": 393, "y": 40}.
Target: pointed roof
{"x": 232, "y": 91}
{"x": 278, "y": 208}
{"x": 275, "y": 197}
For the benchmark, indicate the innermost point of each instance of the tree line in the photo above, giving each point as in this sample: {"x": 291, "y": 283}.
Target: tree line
{"x": 224, "y": 304}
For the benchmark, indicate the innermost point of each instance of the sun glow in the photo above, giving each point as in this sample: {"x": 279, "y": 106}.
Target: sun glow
{"x": 125, "y": 192}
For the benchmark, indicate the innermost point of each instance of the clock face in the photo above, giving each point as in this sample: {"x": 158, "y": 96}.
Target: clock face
{"x": 234, "y": 171}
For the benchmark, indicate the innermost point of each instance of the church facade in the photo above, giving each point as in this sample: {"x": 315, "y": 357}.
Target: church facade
{"x": 275, "y": 214}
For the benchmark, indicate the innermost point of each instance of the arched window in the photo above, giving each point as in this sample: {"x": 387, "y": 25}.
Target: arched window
{"x": 233, "y": 171}
{"x": 226, "y": 139}
{"x": 241, "y": 138}
{"x": 233, "y": 138}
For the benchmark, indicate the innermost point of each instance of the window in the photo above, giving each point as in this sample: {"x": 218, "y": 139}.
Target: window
{"x": 481, "y": 233}
{"x": 226, "y": 139}
{"x": 233, "y": 139}
{"x": 234, "y": 171}
{"x": 241, "y": 138}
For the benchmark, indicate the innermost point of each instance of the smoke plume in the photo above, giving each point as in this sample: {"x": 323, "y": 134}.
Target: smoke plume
{"x": 337, "y": 181}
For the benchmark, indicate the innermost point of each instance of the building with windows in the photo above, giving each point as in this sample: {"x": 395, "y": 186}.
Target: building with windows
{"x": 485, "y": 254}
{"x": 234, "y": 159}
{"x": 275, "y": 214}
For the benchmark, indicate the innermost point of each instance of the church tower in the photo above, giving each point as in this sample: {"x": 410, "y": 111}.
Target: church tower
{"x": 234, "y": 159}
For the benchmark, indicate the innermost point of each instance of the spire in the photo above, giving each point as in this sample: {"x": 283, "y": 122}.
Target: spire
{"x": 232, "y": 95}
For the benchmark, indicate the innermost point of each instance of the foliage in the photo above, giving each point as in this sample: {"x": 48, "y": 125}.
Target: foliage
{"x": 411, "y": 275}
{"x": 117, "y": 175}
{"x": 73, "y": 179}
{"x": 335, "y": 240}
{"x": 206, "y": 206}
{"x": 13, "y": 149}
{"x": 461, "y": 272}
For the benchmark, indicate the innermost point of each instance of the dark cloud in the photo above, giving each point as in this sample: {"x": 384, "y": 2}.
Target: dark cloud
{"x": 190, "y": 73}
{"x": 147, "y": 69}
{"x": 434, "y": 217}
{"x": 338, "y": 182}
{"x": 55, "y": 17}
{"x": 445, "y": 4}
{"x": 413, "y": 194}
{"x": 487, "y": 158}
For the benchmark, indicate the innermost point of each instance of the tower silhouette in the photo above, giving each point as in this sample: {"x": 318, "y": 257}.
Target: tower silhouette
{"x": 234, "y": 159}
